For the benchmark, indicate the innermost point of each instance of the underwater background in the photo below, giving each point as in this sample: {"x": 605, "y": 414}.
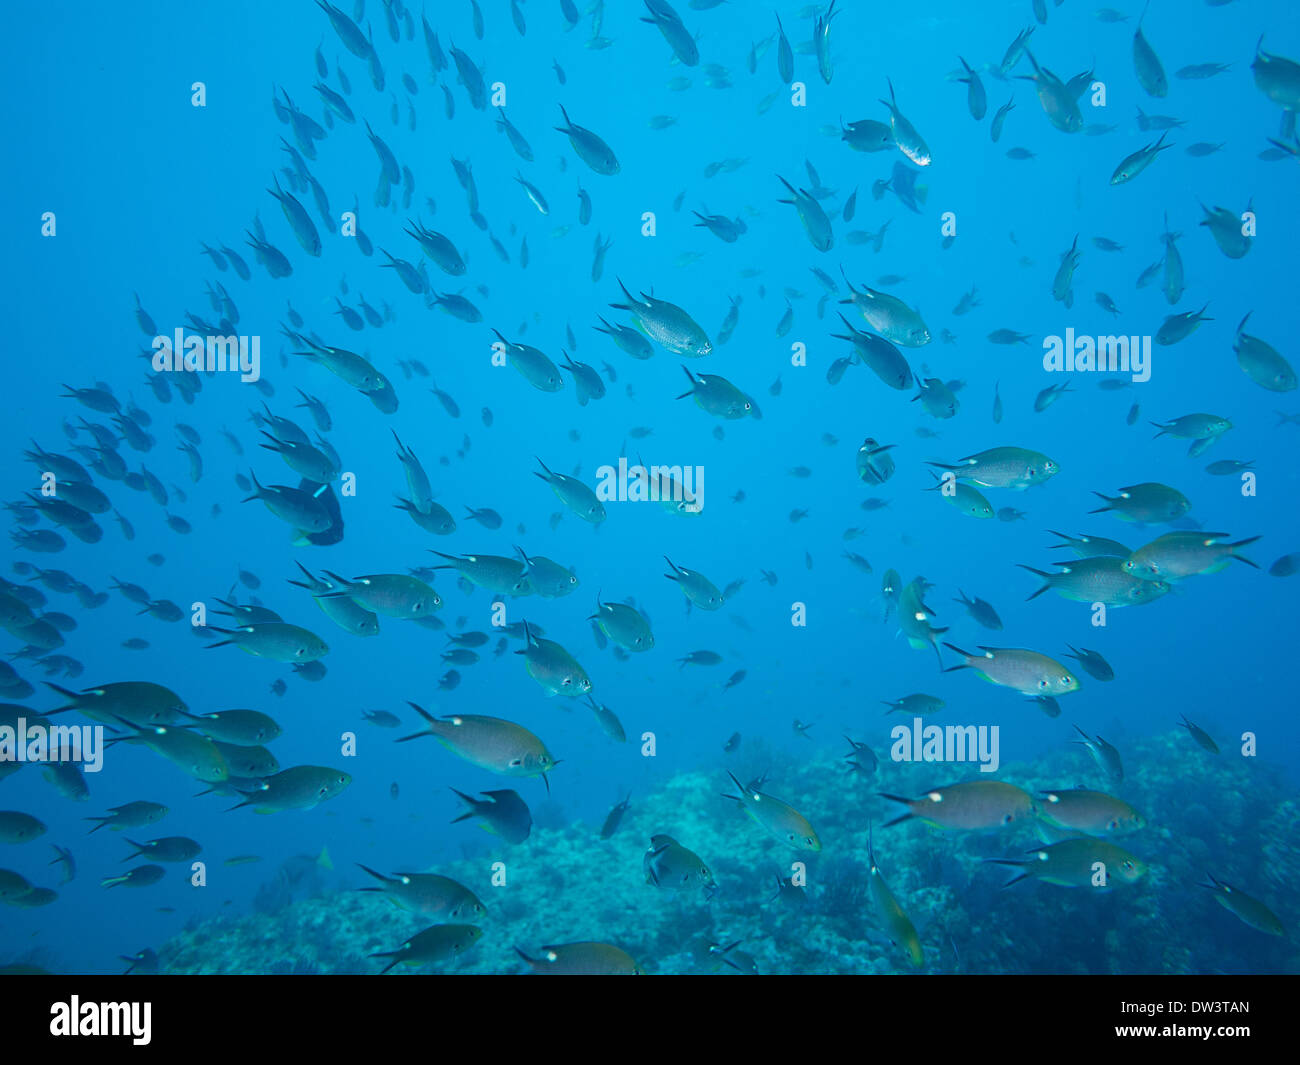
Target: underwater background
{"x": 105, "y": 136}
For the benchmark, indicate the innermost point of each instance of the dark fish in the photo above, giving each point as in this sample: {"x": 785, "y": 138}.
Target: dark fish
{"x": 503, "y": 813}
{"x": 615, "y": 817}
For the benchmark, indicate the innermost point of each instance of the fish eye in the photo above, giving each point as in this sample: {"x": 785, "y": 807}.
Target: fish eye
{"x": 1006, "y": 820}
{"x": 515, "y": 763}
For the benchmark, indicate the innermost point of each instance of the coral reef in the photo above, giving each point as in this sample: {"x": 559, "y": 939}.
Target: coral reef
{"x": 1227, "y": 815}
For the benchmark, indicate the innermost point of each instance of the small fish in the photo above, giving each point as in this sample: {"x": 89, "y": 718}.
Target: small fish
{"x": 488, "y": 742}
{"x": 1132, "y": 165}
{"x": 615, "y": 817}
{"x": 908, "y": 140}
{"x": 502, "y": 812}
{"x": 1091, "y": 812}
{"x": 975, "y": 804}
{"x": 1150, "y": 73}
{"x": 1285, "y": 566}
{"x": 140, "y": 876}
{"x": 781, "y": 821}
{"x": 1027, "y": 672}
{"x": 582, "y": 959}
{"x": 1106, "y": 756}
{"x": 982, "y": 612}
{"x": 1092, "y": 546}
{"x": 429, "y": 895}
{"x": 916, "y": 704}
{"x": 1247, "y": 909}
{"x": 1082, "y": 862}
{"x": 1202, "y": 737}
{"x": 670, "y": 865}
{"x": 441, "y": 943}
{"x": 897, "y": 925}
{"x": 1093, "y": 663}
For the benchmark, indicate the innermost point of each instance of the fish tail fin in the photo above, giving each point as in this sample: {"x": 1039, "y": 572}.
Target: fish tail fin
{"x": 937, "y": 653}
{"x": 739, "y": 787}
{"x": 427, "y": 717}
{"x": 1100, "y": 510}
{"x": 469, "y": 801}
{"x": 630, "y": 298}
{"x": 70, "y": 695}
{"x": 378, "y": 876}
{"x": 1232, "y": 548}
{"x": 900, "y": 819}
{"x": 1047, "y": 579}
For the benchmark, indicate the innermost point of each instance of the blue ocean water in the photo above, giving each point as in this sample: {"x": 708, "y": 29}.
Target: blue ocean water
{"x": 104, "y": 134}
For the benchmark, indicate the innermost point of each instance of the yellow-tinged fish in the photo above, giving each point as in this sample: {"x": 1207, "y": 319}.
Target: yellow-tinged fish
{"x": 897, "y": 925}
{"x": 488, "y": 742}
{"x": 1177, "y": 555}
{"x": 668, "y": 864}
{"x": 582, "y": 959}
{"x": 1082, "y": 862}
{"x": 973, "y": 804}
{"x": 778, "y": 819}
{"x": 1027, "y": 672}
{"x": 1250, "y": 910}
{"x": 440, "y": 943}
{"x": 1092, "y": 812}
{"x": 428, "y": 894}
